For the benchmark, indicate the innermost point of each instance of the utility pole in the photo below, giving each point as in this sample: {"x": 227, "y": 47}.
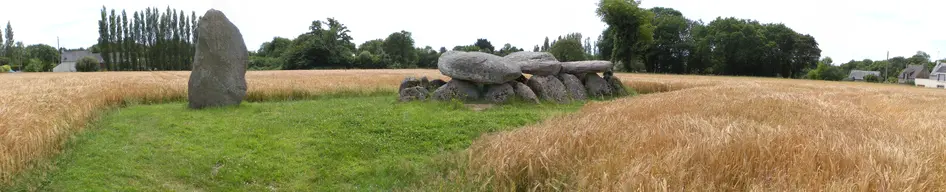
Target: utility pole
{"x": 59, "y": 48}
{"x": 886, "y": 66}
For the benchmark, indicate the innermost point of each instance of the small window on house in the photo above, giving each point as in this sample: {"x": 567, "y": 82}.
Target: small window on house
{"x": 940, "y": 86}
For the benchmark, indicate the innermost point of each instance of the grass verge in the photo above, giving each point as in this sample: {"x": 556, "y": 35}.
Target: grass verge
{"x": 331, "y": 144}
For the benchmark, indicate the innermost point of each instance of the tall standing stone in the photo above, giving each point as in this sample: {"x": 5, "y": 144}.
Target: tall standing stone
{"x": 219, "y": 69}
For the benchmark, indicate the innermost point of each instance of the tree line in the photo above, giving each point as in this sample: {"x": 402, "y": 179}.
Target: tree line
{"x": 328, "y": 45}
{"x": 889, "y": 69}
{"x": 147, "y": 40}
{"x": 16, "y": 56}
{"x": 662, "y": 40}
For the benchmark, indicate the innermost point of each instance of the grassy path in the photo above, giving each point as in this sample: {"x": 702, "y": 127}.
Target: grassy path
{"x": 361, "y": 143}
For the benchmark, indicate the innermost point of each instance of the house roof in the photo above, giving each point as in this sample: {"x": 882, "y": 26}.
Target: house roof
{"x": 940, "y": 68}
{"x": 73, "y": 56}
{"x": 914, "y": 71}
{"x": 65, "y": 67}
{"x": 859, "y": 75}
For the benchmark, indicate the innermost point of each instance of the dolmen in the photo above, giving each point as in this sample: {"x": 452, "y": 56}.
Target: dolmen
{"x": 484, "y": 77}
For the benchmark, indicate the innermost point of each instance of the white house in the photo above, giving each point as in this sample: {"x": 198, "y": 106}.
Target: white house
{"x": 69, "y": 59}
{"x": 937, "y": 78}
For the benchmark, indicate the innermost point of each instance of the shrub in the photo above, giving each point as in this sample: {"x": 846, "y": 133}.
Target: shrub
{"x": 35, "y": 65}
{"x": 872, "y": 78}
{"x": 265, "y": 63}
{"x": 5, "y": 69}
{"x": 87, "y": 64}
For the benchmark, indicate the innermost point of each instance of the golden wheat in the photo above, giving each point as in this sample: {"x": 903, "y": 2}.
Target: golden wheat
{"x": 729, "y": 133}
{"x": 40, "y": 109}
{"x": 692, "y": 133}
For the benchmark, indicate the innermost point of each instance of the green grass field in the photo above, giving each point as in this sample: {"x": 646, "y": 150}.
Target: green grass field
{"x": 355, "y": 143}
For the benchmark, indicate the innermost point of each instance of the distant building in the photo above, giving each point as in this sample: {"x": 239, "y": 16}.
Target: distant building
{"x": 937, "y": 78}
{"x": 912, "y": 72}
{"x": 69, "y": 59}
{"x": 858, "y": 75}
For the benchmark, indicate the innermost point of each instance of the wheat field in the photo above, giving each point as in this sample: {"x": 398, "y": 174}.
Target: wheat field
{"x": 729, "y": 134}
{"x": 687, "y": 133}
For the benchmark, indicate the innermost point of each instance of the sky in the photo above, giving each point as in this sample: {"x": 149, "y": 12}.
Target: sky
{"x": 845, "y": 29}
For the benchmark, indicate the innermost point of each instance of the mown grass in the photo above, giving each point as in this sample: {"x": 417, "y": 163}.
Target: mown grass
{"x": 331, "y": 144}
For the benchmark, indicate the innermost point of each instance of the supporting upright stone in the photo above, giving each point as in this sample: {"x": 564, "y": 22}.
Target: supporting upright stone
{"x": 597, "y": 86}
{"x": 457, "y": 89}
{"x": 574, "y": 87}
{"x": 220, "y": 60}
{"x": 549, "y": 88}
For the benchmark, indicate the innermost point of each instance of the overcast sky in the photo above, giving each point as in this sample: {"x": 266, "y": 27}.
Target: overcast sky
{"x": 845, "y": 29}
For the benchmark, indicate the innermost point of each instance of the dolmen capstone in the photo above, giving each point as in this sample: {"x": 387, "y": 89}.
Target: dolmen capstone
{"x": 220, "y": 60}
{"x": 477, "y": 76}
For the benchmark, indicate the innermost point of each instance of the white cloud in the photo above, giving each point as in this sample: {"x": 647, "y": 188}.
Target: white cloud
{"x": 845, "y": 29}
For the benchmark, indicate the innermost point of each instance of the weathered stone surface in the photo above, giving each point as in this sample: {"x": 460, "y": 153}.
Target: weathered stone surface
{"x": 597, "y": 87}
{"x": 581, "y": 76}
{"x": 524, "y": 92}
{"x": 617, "y": 87}
{"x": 578, "y": 67}
{"x": 531, "y": 56}
{"x": 436, "y": 83}
{"x": 409, "y": 82}
{"x": 536, "y": 63}
{"x": 458, "y": 89}
{"x": 541, "y": 67}
{"x": 478, "y": 67}
{"x": 500, "y": 93}
{"x": 549, "y": 88}
{"x": 413, "y": 93}
{"x": 220, "y": 60}
{"x": 424, "y": 82}
{"x": 574, "y": 87}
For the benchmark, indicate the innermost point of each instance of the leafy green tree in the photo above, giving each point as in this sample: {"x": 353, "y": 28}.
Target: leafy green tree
{"x": 427, "y": 57}
{"x": 536, "y": 49}
{"x": 9, "y": 40}
{"x": 632, "y": 29}
{"x": 400, "y": 47}
{"x": 545, "y": 45}
{"x": 104, "y": 37}
{"x": 321, "y": 47}
{"x": 47, "y": 55}
{"x": 568, "y": 48}
{"x": 375, "y": 47}
{"x": 113, "y": 37}
{"x": 366, "y": 60}
{"x": 826, "y": 71}
{"x": 872, "y": 78}
{"x": 87, "y": 64}
{"x": 35, "y": 65}
{"x": 467, "y": 48}
{"x": 443, "y": 50}
{"x": 484, "y": 45}
{"x": 671, "y": 45}
{"x": 274, "y": 48}
{"x": 605, "y": 44}
{"x": 507, "y": 49}
{"x": 264, "y": 63}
